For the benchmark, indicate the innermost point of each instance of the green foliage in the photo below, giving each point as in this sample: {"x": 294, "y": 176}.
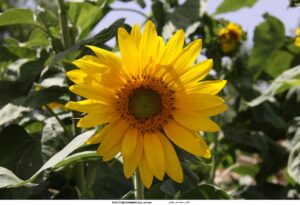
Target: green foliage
{"x": 43, "y": 155}
{"x": 16, "y": 16}
{"x": 233, "y": 5}
{"x": 267, "y": 54}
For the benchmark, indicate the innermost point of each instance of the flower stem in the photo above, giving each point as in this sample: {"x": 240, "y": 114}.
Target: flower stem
{"x": 63, "y": 24}
{"x": 138, "y": 186}
{"x": 57, "y": 118}
{"x": 66, "y": 42}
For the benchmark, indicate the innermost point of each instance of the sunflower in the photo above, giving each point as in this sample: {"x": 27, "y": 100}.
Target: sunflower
{"x": 297, "y": 40}
{"x": 230, "y": 37}
{"x": 149, "y": 98}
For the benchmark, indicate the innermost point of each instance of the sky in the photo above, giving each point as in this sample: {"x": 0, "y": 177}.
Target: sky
{"x": 248, "y": 18}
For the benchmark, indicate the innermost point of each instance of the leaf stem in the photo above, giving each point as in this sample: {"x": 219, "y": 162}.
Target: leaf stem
{"x": 66, "y": 42}
{"x": 138, "y": 186}
{"x": 57, "y": 118}
{"x": 131, "y": 10}
{"x": 215, "y": 159}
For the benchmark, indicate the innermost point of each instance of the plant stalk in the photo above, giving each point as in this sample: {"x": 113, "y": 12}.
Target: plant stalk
{"x": 63, "y": 19}
{"x": 138, "y": 186}
{"x": 57, "y": 118}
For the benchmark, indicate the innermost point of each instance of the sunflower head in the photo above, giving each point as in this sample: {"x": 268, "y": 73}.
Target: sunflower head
{"x": 230, "y": 37}
{"x": 297, "y": 40}
{"x": 150, "y": 100}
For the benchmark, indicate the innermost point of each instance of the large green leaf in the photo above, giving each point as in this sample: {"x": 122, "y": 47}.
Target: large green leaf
{"x": 205, "y": 191}
{"x": 269, "y": 37}
{"x": 19, "y": 152}
{"x": 51, "y": 163}
{"x": 283, "y": 82}
{"x": 234, "y": 5}
{"x": 185, "y": 14}
{"x": 84, "y": 17}
{"x": 42, "y": 97}
{"x": 16, "y": 16}
{"x": 294, "y": 163}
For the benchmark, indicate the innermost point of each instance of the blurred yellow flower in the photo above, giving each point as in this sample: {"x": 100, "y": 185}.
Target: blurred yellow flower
{"x": 297, "y": 41}
{"x": 149, "y": 98}
{"x": 230, "y": 37}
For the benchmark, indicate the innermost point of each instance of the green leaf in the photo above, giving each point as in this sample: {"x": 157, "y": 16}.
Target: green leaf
{"x": 294, "y": 163}
{"x": 54, "y": 160}
{"x": 234, "y": 5}
{"x": 283, "y": 82}
{"x": 84, "y": 17}
{"x": 16, "y": 16}
{"x": 279, "y": 62}
{"x": 294, "y": 3}
{"x": 185, "y": 14}
{"x": 99, "y": 39}
{"x": 19, "y": 152}
{"x": 80, "y": 156}
{"x": 42, "y": 97}
{"x": 37, "y": 39}
{"x": 8, "y": 178}
{"x": 11, "y": 112}
{"x": 205, "y": 191}
{"x": 159, "y": 15}
{"x": 269, "y": 37}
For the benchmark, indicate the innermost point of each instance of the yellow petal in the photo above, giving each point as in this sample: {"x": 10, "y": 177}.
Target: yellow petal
{"x": 131, "y": 163}
{"x": 96, "y": 119}
{"x": 113, "y": 137}
{"x": 148, "y": 45}
{"x": 129, "y": 51}
{"x": 136, "y": 34}
{"x": 145, "y": 172}
{"x": 90, "y": 64}
{"x": 173, "y": 167}
{"x": 173, "y": 48}
{"x": 111, "y": 153}
{"x": 129, "y": 142}
{"x": 197, "y": 72}
{"x": 188, "y": 56}
{"x": 197, "y": 101}
{"x": 86, "y": 106}
{"x": 186, "y": 139}
{"x": 98, "y": 93}
{"x": 107, "y": 58}
{"x": 211, "y": 111}
{"x": 154, "y": 154}
{"x": 98, "y": 136}
{"x": 211, "y": 87}
{"x": 194, "y": 121}
{"x": 77, "y": 76}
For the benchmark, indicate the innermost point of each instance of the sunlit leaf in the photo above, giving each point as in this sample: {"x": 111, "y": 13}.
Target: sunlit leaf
{"x": 11, "y": 112}
{"x": 234, "y": 5}
{"x": 16, "y": 16}
{"x": 294, "y": 163}
{"x": 269, "y": 37}
{"x": 283, "y": 82}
